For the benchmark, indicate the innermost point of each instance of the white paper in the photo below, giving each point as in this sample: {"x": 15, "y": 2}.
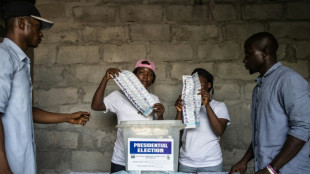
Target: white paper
{"x": 191, "y": 101}
{"x": 135, "y": 91}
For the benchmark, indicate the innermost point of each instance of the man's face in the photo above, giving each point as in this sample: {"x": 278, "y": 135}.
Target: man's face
{"x": 254, "y": 58}
{"x": 146, "y": 76}
{"x": 33, "y": 34}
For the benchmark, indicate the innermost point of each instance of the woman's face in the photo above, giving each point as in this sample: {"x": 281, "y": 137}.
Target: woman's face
{"x": 145, "y": 75}
{"x": 204, "y": 83}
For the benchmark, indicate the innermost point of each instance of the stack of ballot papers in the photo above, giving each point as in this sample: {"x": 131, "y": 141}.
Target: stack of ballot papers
{"x": 191, "y": 101}
{"x": 135, "y": 91}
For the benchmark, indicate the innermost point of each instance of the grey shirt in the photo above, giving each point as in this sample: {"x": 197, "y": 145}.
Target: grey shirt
{"x": 280, "y": 107}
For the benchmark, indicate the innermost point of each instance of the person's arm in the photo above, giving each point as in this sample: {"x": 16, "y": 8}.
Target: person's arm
{"x": 5, "y": 168}
{"x": 6, "y": 81}
{"x": 41, "y": 116}
{"x": 291, "y": 147}
{"x": 218, "y": 125}
{"x": 241, "y": 166}
{"x": 97, "y": 102}
{"x": 179, "y": 106}
{"x": 179, "y": 116}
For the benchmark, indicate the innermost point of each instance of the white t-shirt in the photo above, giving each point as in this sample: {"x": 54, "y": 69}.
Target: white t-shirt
{"x": 200, "y": 146}
{"x": 118, "y": 103}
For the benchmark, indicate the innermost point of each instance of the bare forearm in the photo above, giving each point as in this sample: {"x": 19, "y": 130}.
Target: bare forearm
{"x": 179, "y": 115}
{"x": 241, "y": 166}
{"x": 249, "y": 155}
{"x": 41, "y": 116}
{"x": 291, "y": 147}
{"x": 218, "y": 125}
{"x": 97, "y": 102}
{"x": 3, "y": 160}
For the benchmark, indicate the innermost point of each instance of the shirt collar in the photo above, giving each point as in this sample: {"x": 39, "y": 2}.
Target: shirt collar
{"x": 259, "y": 80}
{"x": 20, "y": 53}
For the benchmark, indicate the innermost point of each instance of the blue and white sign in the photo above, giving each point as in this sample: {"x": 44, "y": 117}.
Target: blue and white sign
{"x": 150, "y": 154}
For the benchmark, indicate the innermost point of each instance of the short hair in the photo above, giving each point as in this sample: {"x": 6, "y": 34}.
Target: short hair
{"x": 267, "y": 39}
{"x": 147, "y": 63}
{"x": 8, "y": 24}
{"x": 204, "y": 73}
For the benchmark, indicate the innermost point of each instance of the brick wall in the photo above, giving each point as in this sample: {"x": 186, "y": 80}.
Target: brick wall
{"x": 90, "y": 36}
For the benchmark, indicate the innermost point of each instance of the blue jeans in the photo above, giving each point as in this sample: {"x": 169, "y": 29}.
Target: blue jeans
{"x": 186, "y": 169}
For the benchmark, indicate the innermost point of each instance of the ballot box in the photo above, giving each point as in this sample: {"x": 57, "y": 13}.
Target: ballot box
{"x": 151, "y": 145}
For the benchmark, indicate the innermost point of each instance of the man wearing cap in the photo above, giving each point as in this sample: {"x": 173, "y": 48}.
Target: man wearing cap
{"x": 17, "y": 146}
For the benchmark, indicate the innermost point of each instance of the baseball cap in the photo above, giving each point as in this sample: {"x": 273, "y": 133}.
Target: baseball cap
{"x": 145, "y": 63}
{"x": 22, "y": 8}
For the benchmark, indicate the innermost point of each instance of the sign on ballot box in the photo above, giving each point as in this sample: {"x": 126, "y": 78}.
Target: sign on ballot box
{"x": 150, "y": 154}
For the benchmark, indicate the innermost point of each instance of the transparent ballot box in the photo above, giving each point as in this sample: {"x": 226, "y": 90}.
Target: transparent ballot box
{"x": 151, "y": 145}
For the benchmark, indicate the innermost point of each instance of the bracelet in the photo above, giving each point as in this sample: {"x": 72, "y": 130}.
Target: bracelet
{"x": 271, "y": 169}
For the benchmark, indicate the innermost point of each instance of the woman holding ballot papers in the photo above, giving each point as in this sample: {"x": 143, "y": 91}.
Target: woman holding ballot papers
{"x": 125, "y": 106}
{"x": 200, "y": 148}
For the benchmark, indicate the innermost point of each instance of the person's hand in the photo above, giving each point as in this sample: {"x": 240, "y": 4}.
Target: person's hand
{"x": 80, "y": 118}
{"x": 238, "y": 167}
{"x": 179, "y": 104}
{"x": 112, "y": 72}
{"x": 264, "y": 171}
{"x": 159, "y": 110}
{"x": 205, "y": 96}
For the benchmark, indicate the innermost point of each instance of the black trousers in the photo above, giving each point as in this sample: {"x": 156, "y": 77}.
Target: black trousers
{"x": 117, "y": 168}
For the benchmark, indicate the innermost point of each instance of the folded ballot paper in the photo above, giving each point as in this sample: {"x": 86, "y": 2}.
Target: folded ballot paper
{"x": 191, "y": 101}
{"x": 135, "y": 91}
